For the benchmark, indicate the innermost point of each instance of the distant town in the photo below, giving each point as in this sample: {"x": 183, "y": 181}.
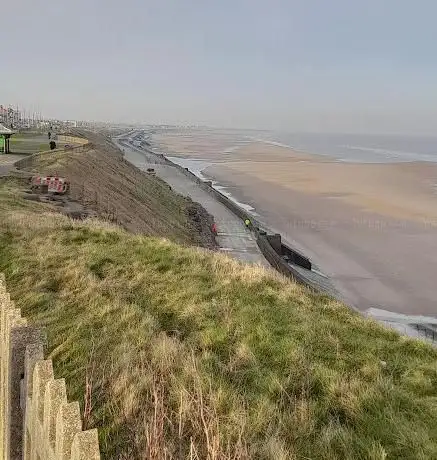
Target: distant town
{"x": 17, "y": 118}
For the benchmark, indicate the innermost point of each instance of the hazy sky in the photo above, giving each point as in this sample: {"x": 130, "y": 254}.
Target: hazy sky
{"x": 311, "y": 65}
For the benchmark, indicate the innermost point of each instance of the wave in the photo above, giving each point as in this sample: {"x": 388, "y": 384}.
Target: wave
{"x": 410, "y": 156}
{"x": 277, "y": 144}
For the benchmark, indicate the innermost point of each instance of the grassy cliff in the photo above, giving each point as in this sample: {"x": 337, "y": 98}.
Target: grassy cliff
{"x": 187, "y": 354}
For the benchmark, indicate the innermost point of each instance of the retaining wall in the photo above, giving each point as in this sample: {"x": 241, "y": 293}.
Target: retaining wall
{"x": 207, "y": 186}
{"x": 72, "y": 139}
{"x": 36, "y": 420}
{"x": 277, "y": 261}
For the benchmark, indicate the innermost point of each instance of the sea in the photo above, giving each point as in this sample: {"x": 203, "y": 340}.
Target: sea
{"x": 359, "y": 148}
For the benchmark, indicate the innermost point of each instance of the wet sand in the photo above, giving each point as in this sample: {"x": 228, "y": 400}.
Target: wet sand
{"x": 371, "y": 227}
{"x": 398, "y": 190}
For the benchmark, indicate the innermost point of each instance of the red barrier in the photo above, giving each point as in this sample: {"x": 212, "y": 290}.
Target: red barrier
{"x": 54, "y": 184}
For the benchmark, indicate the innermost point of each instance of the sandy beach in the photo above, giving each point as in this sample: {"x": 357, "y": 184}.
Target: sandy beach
{"x": 371, "y": 227}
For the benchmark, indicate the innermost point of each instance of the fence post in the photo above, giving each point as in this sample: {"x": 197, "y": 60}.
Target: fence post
{"x": 42, "y": 374}
{"x": 68, "y": 424}
{"x": 10, "y": 403}
{"x": 5, "y": 305}
{"x": 20, "y": 336}
{"x": 33, "y": 354}
{"x": 55, "y": 395}
{"x": 85, "y": 446}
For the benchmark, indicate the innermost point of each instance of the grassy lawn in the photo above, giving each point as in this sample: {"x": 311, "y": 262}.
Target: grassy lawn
{"x": 28, "y": 143}
{"x": 21, "y": 136}
{"x": 192, "y": 355}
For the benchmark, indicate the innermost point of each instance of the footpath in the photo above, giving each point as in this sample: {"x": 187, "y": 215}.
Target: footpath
{"x": 232, "y": 237}
{"x": 7, "y": 162}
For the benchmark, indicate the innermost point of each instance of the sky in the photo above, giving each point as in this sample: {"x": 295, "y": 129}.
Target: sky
{"x": 294, "y": 65}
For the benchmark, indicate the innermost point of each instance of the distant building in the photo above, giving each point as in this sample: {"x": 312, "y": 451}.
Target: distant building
{"x": 10, "y": 117}
{"x": 5, "y": 115}
{"x": 5, "y": 134}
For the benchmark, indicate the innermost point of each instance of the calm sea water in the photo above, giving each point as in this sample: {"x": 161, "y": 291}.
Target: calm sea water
{"x": 345, "y": 147}
{"x": 358, "y": 148}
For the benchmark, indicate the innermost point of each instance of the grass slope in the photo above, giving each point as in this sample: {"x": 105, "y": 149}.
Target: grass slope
{"x": 188, "y": 354}
{"x": 144, "y": 204}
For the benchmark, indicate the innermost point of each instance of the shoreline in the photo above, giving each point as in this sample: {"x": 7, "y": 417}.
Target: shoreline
{"x": 193, "y": 167}
{"x": 373, "y": 260}
{"x": 405, "y": 190}
{"x": 344, "y": 148}
{"x": 371, "y": 227}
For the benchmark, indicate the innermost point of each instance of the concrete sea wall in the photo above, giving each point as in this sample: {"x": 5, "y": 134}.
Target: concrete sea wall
{"x": 270, "y": 244}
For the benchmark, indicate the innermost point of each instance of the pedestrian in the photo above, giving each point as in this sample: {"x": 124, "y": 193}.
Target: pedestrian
{"x": 214, "y": 228}
{"x": 247, "y": 223}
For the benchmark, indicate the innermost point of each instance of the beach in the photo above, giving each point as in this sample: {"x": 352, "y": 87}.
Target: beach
{"x": 371, "y": 227}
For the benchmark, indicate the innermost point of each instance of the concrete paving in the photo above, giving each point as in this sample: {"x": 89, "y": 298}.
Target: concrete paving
{"x": 233, "y": 238}
{"x": 7, "y": 162}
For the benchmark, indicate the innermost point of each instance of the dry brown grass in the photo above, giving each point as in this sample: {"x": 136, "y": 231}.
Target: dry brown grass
{"x": 115, "y": 189}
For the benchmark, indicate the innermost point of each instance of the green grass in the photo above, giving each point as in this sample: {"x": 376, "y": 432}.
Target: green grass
{"x": 192, "y": 355}
{"x": 24, "y": 137}
{"x": 43, "y": 147}
{"x": 21, "y": 136}
{"x": 28, "y": 143}
{"x": 14, "y": 140}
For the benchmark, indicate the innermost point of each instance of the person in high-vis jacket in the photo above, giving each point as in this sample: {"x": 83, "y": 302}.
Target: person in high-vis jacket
{"x": 247, "y": 223}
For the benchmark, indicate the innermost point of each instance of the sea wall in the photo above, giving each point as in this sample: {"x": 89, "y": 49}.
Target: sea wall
{"x": 278, "y": 262}
{"x": 269, "y": 243}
